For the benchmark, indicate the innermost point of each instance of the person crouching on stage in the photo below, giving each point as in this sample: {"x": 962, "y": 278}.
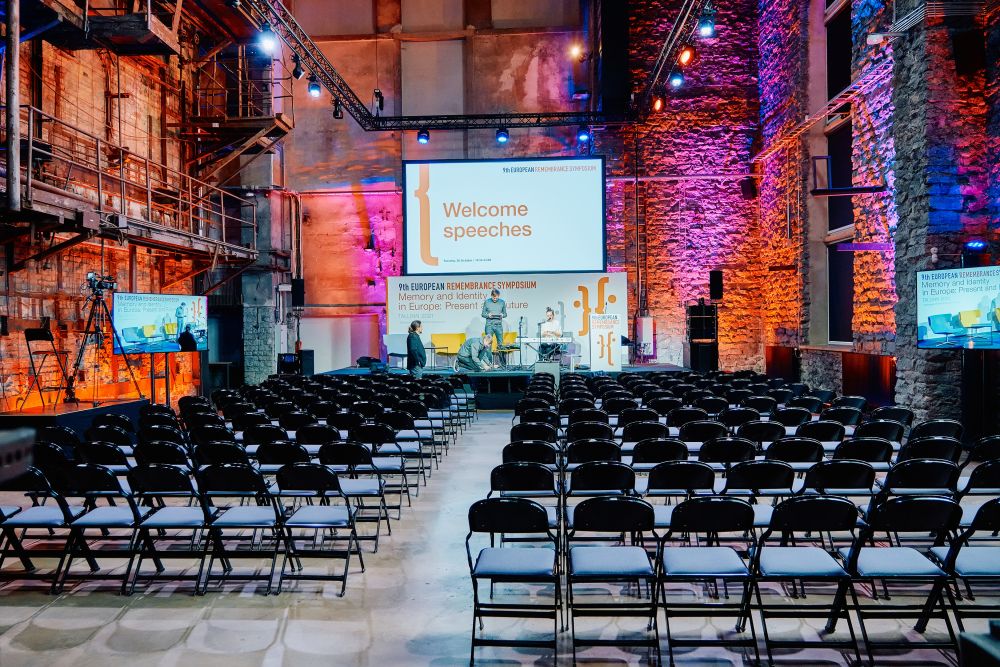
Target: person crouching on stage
{"x": 416, "y": 356}
{"x": 550, "y": 329}
{"x": 476, "y": 354}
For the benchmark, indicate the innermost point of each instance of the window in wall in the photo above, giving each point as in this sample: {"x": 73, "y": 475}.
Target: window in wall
{"x": 838, "y": 51}
{"x": 840, "y": 283}
{"x": 841, "y": 175}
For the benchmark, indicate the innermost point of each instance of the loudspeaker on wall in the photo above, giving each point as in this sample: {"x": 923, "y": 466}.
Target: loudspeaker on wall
{"x": 298, "y": 293}
{"x": 748, "y": 188}
{"x": 715, "y": 285}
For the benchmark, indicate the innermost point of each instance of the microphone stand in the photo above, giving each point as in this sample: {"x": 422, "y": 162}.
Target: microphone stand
{"x": 520, "y": 343}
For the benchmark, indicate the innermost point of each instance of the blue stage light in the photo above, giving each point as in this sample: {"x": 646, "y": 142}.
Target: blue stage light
{"x": 976, "y": 245}
{"x": 706, "y": 22}
{"x": 676, "y": 80}
{"x": 423, "y": 136}
{"x": 583, "y": 134}
{"x": 267, "y": 40}
{"x": 314, "y": 88}
{"x": 503, "y": 136}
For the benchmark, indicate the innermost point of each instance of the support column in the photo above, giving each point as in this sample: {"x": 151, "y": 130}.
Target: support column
{"x": 12, "y": 99}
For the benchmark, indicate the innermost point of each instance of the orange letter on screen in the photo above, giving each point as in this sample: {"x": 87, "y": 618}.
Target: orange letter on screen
{"x": 423, "y": 185}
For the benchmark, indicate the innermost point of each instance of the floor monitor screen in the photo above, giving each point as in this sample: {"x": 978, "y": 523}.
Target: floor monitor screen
{"x": 503, "y": 216}
{"x": 153, "y": 323}
{"x": 959, "y": 308}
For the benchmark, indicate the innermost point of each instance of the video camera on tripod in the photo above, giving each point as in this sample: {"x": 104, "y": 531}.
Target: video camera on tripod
{"x": 98, "y": 283}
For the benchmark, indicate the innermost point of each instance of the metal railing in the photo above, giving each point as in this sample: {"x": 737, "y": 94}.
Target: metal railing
{"x": 241, "y": 86}
{"x": 58, "y": 156}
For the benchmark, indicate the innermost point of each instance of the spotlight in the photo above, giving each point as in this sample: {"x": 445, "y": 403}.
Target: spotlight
{"x": 314, "y": 89}
{"x": 676, "y": 80}
{"x": 686, "y": 55}
{"x": 576, "y": 52}
{"x": 379, "y": 99}
{"x": 706, "y": 23}
{"x": 423, "y": 136}
{"x": 297, "y": 71}
{"x": 658, "y": 102}
{"x": 503, "y": 136}
{"x": 338, "y": 110}
{"x": 976, "y": 245}
{"x": 233, "y": 4}
{"x": 583, "y": 134}
{"x": 975, "y": 253}
{"x": 267, "y": 40}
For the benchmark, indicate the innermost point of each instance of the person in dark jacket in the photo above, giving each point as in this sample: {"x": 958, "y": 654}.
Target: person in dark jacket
{"x": 187, "y": 340}
{"x": 416, "y": 356}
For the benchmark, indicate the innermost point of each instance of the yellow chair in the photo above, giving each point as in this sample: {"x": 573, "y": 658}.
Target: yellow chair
{"x": 149, "y": 330}
{"x": 969, "y": 317}
{"x": 507, "y": 345}
{"x": 447, "y": 344}
{"x": 170, "y": 328}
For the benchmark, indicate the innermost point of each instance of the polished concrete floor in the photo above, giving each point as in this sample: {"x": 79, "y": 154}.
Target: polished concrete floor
{"x": 411, "y": 607}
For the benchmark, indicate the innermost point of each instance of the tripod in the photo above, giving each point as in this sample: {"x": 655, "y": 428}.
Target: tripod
{"x": 97, "y": 319}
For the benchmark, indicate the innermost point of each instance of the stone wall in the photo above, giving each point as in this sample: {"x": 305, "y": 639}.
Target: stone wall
{"x": 822, "y": 369}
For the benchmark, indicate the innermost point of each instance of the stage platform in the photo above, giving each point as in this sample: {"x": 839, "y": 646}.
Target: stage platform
{"x": 500, "y": 389}
{"x": 75, "y": 416}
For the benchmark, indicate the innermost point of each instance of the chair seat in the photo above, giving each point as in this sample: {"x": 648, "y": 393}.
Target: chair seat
{"x": 797, "y": 562}
{"x": 893, "y": 562}
{"x": 610, "y": 562}
{"x": 175, "y": 517}
{"x": 249, "y": 516}
{"x": 43, "y": 516}
{"x": 515, "y": 561}
{"x": 973, "y": 561}
{"x": 319, "y": 516}
{"x": 370, "y": 486}
{"x": 703, "y": 562}
{"x": 110, "y": 517}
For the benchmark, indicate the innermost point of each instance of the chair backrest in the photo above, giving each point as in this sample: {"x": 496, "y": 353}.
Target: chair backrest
{"x": 846, "y": 415}
{"x": 305, "y": 476}
{"x": 713, "y": 405}
{"x": 987, "y": 519}
{"x": 161, "y": 433}
{"x": 664, "y": 404}
{"x": 593, "y": 449}
{"x": 602, "y": 476}
{"x": 866, "y": 448}
{"x": 946, "y": 427}
{"x": 636, "y": 431}
{"x": 813, "y": 513}
{"x": 373, "y": 434}
{"x": 112, "y": 419}
{"x": 761, "y": 431}
{"x": 103, "y": 453}
{"x": 781, "y": 394}
{"x": 280, "y": 453}
{"x": 791, "y": 416}
{"x": 522, "y": 476}
{"x": 856, "y": 402}
{"x": 60, "y": 435}
{"x": 795, "y": 450}
{"x": 540, "y": 416}
{"x": 915, "y": 514}
{"x": 112, "y": 434}
{"x": 589, "y": 415}
{"x": 985, "y": 479}
{"x": 507, "y": 515}
{"x": 637, "y": 414}
{"x": 764, "y": 405}
{"x": 986, "y": 449}
{"x": 712, "y": 514}
{"x": 823, "y": 430}
{"x": 345, "y": 421}
{"x": 687, "y": 476}
{"x": 156, "y": 480}
{"x": 346, "y": 453}
{"x": 544, "y": 432}
{"x": 931, "y": 447}
{"x": 614, "y": 405}
{"x": 613, "y": 514}
{"x": 894, "y": 412}
{"x": 658, "y": 450}
{"x": 840, "y": 474}
{"x": 212, "y": 453}
{"x": 759, "y": 475}
{"x": 702, "y": 431}
{"x": 727, "y": 450}
{"x": 921, "y": 474}
{"x": 810, "y": 403}
{"x": 296, "y": 419}
{"x": 231, "y": 479}
{"x": 203, "y": 434}
{"x": 316, "y": 434}
{"x": 261, "y": 433}
{"x": 160, "y": 452}
{"x": 734, "y": 417}
{"x": 534, "y": 451}
{"x": 881, "y": 428}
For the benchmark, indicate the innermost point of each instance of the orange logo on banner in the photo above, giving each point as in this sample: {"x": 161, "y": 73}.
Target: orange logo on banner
{"x": 604, "y": 348}
{"x": 423, "y": 185}
{"x": 584, "y": 302}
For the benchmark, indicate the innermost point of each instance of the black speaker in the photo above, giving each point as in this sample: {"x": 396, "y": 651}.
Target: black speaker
{"x": 704, "y": 356}
{"x": 748, "y": 188}
{"x": 715, "y": 285}
{"x": 298, "y": 293}
{"x": 307, "y": 362}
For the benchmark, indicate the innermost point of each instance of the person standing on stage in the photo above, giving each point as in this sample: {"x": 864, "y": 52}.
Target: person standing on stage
{"x": 549, "y": 329}
{"x": 495, "y": 312}
{"x": 180, "y": 314}
{"x": 416, "y": 356}
{"x": 476, "y": 354}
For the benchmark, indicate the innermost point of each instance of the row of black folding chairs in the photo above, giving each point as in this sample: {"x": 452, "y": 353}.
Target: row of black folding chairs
{"x": 788, "y": 552}
{"x": 229, "y": 512}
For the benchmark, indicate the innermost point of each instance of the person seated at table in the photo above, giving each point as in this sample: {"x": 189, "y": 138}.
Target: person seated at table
{"x": 550, "y": 329}
{"x": 476, "y": 354}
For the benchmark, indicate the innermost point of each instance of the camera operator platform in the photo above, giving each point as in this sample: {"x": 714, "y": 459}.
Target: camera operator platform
{"x": 98, "y": 322}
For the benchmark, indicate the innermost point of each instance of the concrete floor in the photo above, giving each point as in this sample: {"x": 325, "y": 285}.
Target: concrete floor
{"x": 411, "y": 607}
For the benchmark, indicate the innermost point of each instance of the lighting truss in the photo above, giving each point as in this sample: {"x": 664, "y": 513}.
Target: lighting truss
{"x": 677, "y": 38}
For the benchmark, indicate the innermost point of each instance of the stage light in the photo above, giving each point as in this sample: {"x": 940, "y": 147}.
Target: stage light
{"x": 975, "y": 246}
{"x": 706, "y": 23}
{"x": 423, "y": 136}
{"x": 658, "y": 103}
{"x": 297, "y": 71}
{"x": 576, "y": 52}
{"x": 676, "y": 80}
{"x": 314, "y": 89}
{"x": 338, "y": 110}
{"x": 267, "y": 40}
{"x": 233, "y": 4}
{"x": 686, "y": 55}
{"x": 583, "y": 134}
{"x": 379, "y": 99}
{"x": 503, "y": 136}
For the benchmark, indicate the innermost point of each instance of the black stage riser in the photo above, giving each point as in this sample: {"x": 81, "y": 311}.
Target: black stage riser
{"x": 75, "y": 417}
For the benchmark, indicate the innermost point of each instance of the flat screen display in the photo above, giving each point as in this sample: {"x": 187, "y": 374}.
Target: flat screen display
{"x": 160, "y": 322}
{"x": 503, "y": 216}
{"x": 959, "y": 308}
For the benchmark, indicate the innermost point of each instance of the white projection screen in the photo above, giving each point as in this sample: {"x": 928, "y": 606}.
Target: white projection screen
{"x": 503, "y": 216}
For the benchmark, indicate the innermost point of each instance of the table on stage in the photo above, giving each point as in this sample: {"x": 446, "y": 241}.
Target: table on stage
{"x": 533, "y": 341}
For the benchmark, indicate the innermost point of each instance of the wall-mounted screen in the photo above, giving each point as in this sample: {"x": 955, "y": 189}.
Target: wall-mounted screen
{"x": 160, "y": 322}
{"x": 959, "y": 308}
{"x": 503, "y": 216}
